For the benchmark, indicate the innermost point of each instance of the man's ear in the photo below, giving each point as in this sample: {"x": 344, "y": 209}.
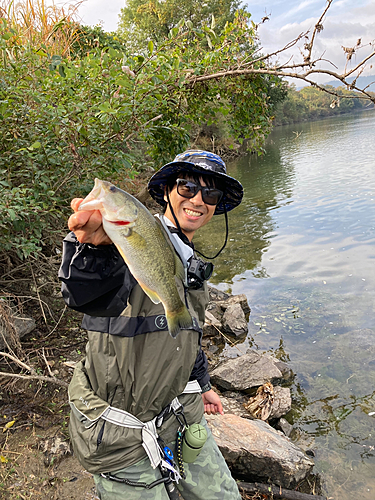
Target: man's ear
{"x": 165, "y": 194}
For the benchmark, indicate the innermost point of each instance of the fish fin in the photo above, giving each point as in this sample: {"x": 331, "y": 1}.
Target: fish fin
{"x": 178, "y": 320}
{"x": 153, "y": 296}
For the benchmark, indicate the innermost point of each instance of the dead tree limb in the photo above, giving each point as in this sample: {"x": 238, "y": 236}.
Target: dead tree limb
{"x": 33, "y": 376}
{"x": 317, "y": 29}
{"x": 42, "y": 378}
{"x": 304, "y": 69}
{"x": 277, "y": 491}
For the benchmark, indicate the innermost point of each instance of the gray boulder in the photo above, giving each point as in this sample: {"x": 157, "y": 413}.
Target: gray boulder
{"x": 256, "y": 451}
{"x": 248, "y": 371}
{"x": 234, "y": 403}
{"x": 234, "y": 320}
{"x": 226, "y": 313}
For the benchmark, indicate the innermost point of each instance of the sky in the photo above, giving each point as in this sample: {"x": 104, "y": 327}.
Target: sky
{"x": 345, "y": 23}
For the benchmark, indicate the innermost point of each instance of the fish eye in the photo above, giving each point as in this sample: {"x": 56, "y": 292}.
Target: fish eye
{"x": 112, "y": 188}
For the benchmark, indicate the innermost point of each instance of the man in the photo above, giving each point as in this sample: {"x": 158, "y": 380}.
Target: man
{"x": 137, "y": 386}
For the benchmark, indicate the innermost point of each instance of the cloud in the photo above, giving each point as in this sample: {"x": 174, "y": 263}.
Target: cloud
{"x": 108, "y": 11}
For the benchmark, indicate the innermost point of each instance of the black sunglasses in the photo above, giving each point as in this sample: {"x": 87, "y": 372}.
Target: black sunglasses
{"x": 189, "y": 189}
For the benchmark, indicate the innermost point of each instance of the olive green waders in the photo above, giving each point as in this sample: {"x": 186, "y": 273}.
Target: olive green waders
{"x": 208, "y": 478}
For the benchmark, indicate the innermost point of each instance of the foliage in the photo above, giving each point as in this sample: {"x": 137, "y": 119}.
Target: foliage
{"x": 144, "y": 20}
{"x": 66, "y": 120}
{"x": 310, "y": 103}
{"x": 91, "y": 38}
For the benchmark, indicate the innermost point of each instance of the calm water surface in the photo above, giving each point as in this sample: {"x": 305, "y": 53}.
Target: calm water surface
{"x": 302, "y": 249}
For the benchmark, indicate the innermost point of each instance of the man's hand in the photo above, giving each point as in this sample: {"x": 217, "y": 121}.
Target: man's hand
{"x": 212, "y": 403}
{"x": 87, "y": 225}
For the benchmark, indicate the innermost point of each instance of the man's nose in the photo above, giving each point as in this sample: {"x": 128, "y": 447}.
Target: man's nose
{"x": 197, "y": 199}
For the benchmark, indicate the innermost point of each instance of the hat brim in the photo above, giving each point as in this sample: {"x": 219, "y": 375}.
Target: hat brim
{"x": 233, "y": 191}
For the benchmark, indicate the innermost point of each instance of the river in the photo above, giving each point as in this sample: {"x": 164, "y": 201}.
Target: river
{"x": 301, "y": 247}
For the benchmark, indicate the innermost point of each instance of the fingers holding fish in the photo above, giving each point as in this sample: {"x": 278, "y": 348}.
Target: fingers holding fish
{"x": 87, "y": 225}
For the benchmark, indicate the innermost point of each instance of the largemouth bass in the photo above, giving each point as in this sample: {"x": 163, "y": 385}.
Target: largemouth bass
{"x": 145, "y": 248}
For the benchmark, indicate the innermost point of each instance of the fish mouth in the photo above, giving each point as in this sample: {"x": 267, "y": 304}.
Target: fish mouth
{"x": 128, "y": 223}
{"x": 192, "y": 213}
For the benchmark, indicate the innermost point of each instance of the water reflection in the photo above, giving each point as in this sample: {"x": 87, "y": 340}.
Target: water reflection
{"x": 267, "y": 186}
{"x": 302, "y": 250}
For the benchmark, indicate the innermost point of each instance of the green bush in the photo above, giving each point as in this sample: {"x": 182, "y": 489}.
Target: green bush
{"x": 107, "y": 114}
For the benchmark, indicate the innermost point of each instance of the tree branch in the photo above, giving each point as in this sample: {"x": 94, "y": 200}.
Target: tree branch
{"x": 33, "y": 376}
{"x": 301, "y": 76}
{"x": 52, "y": 380}
{"x": 317, "y": 29}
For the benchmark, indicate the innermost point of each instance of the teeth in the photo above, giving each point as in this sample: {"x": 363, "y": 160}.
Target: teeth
{"x": 192, "y": 213}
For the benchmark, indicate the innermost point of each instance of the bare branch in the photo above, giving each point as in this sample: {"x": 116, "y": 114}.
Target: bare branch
{"x": 302, "y": 70}
{"x": 17, "y": 361}
{"x": 46, "y": 362}
{"x": 286, "y": 47}
{"x": 317, "y": 29}
{"x": 52, "y": 380}
{"x": 361, "y": 64}
{"x": 286, "y": 74}
{"x": 34, "y": 375}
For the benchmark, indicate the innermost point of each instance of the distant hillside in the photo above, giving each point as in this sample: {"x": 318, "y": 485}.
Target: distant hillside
{"x": 309, "y": 104}
{"x": 362, "y": 82}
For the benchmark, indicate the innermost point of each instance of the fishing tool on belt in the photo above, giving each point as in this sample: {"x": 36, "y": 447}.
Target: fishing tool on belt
{"x": 170, "y": 477}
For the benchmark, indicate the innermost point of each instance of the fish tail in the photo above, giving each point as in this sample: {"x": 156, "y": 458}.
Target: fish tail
{"x": 179, "y": 320}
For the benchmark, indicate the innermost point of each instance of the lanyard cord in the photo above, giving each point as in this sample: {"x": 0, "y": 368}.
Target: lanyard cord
{"x": 183, "y": 236}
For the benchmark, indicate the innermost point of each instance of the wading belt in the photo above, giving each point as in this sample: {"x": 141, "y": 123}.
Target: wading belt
{"x": 149, "y": 429}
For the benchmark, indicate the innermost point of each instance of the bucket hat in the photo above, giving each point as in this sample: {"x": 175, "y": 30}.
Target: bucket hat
{"x": 198, "y": 162}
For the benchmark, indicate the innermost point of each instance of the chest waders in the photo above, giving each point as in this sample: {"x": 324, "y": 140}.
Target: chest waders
{"x": 160, "y": 455}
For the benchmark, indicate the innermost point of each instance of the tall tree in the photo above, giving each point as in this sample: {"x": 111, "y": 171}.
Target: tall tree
{"x": 144, "y": 20}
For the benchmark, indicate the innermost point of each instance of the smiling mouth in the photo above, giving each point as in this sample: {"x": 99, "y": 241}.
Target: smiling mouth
{"x": 192, "y": 213}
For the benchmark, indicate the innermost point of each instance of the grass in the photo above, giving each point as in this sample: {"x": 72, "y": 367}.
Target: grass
{"x": 33, "y": 23}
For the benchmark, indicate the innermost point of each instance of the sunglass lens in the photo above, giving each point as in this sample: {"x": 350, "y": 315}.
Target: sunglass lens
{"x": 187, "y": 189}
{"x": 211, "y": 196}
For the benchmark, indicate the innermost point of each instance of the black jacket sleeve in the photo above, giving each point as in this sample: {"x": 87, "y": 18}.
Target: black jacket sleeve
{"x": 200, "y": 372}
{"x": 95, "y": 280}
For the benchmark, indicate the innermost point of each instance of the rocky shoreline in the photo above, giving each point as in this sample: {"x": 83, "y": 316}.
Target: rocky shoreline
{"x": 253, "y": 435}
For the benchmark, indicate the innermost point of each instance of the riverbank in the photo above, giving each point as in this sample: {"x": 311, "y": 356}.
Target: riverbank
{"x": 36, "y": 459}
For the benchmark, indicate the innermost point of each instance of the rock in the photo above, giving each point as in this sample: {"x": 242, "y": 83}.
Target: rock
{"x": 236, "y": 299}
{"x": 235, "y": 406}
{"x": 24, "y": 326}
{"x": 255, "y": 451}
{"x": 282, "y": 402}
{"x": 234, "y": 321}
{"x": 211, "y": 325}
{"x": 226, "y": 313}
{"x": 224, "y": 300}
{"x": 247, "y": 371}
{"x": 13, "y": 324}
{"x": 284, "y": 426}
{"x": 233, "y": 402}
{"x": 216, "y": 294}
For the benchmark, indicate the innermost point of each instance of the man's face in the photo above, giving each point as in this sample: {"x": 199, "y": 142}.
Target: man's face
{"x": 191, "y": 213}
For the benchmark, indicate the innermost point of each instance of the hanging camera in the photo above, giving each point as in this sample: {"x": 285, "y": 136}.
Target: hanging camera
{"x": 198, "y": 272}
